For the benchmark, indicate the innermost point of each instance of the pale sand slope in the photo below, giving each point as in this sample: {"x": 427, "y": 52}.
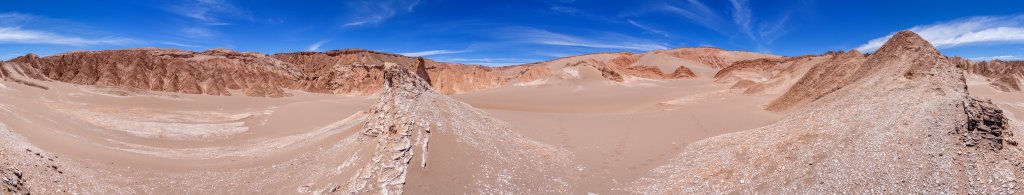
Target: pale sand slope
{"x": 161, "y": 142}
{"x": 619, "y": 131}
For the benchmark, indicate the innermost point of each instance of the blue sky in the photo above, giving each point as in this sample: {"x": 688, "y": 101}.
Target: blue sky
{"x": 509, "y": 32}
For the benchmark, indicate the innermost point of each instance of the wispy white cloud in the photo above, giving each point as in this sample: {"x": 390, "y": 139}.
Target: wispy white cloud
{"x": 607, "y": 41}
{"x": 18, "y": 35}
{"x": 966, "y": 31}
{"x": 1002, "y": 57}
{"x": 648, "y": 28}
{"x": 488, "y": 61}
{"x": 699, "y": 13}
{"x": 316, "y": 46}
{"x": 178, "y": 44}
{"x": 741, "y": 15}
{"x": 371, "y": 12}
{"x": 759, "y": 31}
{"x": 198, "y": 32}
{"x": 210, "y": 12}
{"x": 432, "y": 52}
{"x": 18, "y": 28}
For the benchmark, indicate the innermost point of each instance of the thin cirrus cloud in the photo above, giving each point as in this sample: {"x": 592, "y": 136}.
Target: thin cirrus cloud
{"x": 1002, "y": 57}
{"x": 371, "y": 12}
{"x": 210, "y": 12}
{"x": 18, "y": 35}
{"x": 316, "y": 46}
{"x": 761, "y": 32}
{"x": 432, "y": 52}
{"x": 12, "y": 31}
{"x": 607, "y": 41}
{"x": 649, "y": 29}
{"x": 965, "y": 31}
{"x": 488, "y": 61}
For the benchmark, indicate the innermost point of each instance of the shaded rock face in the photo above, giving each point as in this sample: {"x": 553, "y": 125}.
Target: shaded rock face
{"x": 820, "y": 80}
{"x": 411, "y": 119}
{"x": 899, "y": 127}
{"x": 769, "y": 75}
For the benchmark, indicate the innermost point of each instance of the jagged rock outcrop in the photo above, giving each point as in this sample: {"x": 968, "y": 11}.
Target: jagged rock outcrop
{"x": 820, "y": 80}
{"x": 411, "y": 120}
{"x": 897, "y": 128}
{"x": 210, "y": 72}
{"x": 352, "y": 72}
{"x": 986, "y": 127}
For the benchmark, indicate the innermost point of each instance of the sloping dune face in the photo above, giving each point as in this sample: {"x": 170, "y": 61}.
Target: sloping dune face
{"x": 905, "y": 124}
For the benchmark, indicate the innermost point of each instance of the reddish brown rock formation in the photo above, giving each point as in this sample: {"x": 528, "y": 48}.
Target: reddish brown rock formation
{"x": 210, "y": 72}
{"x": 351, "y": 71}
{"x": 682, "y": 72}
{"x": 1005, "y": 76}
{"x": 820, "y": 80}
{"x": 769, "y": 75}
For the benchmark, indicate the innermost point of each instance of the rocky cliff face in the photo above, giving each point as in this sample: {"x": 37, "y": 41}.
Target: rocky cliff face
{"x": 1005, "y": 76}
{"x": 410, "y": 120}
{"x": 351, "y": 71}
{"x": 769, "y": 75}
{"x": 820, "y": 80}
{"x": 212, "y": 72}
{"x": 905, "y": 124}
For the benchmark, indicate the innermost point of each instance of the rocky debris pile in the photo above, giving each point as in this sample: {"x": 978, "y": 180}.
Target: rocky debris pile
{"x": 13, "y": 181}
{"x": 394, "y": 123}
{"x": 410, "y": 117}
{"x": 986, "y": 127}
{"x": 894, "y": 129}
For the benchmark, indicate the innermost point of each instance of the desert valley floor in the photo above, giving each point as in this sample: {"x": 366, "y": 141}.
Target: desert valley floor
{"x": 579, "y": 131}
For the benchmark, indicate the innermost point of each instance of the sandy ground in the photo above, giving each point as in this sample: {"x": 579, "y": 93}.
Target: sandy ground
{"x": 619, "y": 132}
{"x": 615, "y": 131}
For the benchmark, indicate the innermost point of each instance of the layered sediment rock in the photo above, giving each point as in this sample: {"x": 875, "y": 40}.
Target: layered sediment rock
{"x": 769, "y": 75}
{"x": 899, "y": 127}
{"x": 820, "y": 80}
{"x": 351, "y": 71}
{"x": 210, "y": 72}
